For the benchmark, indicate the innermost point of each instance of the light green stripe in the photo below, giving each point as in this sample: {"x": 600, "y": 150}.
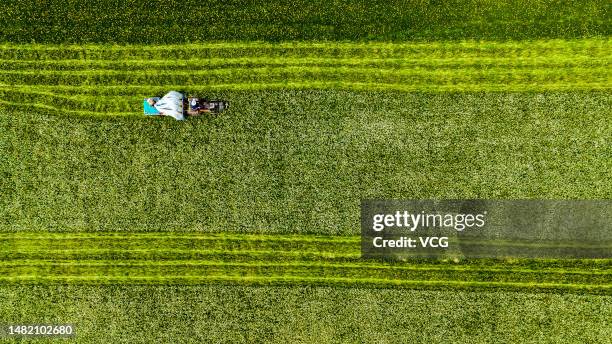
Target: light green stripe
{"x": 302, "y": 279}
{"x": 533, "y": 61}
{"x": 360, "y": 265}
{"x": 173, "y": 235}
{"x": 546, "y": 44}
{"x": 243, "y": 71}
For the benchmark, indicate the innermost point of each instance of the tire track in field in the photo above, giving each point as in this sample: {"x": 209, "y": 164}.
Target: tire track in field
{"x": 551, "y": 61}
{"x": 290, "y": 280}
{"x": 267, "y": 259}
{"x": 88, "y": 79}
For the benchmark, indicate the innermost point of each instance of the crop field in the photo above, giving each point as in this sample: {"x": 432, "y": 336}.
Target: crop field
{"x": 188, "y": 21}
{"x": 123, "y": 313}
{"x": 305, "y": 168}
{"x": 160, "y": 258}
{"x": 113, "y": 80}
{"x": 244, "y": 227}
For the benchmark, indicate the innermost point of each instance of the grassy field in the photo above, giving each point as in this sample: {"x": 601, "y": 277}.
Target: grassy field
{"x": 239, "y": 314}
{"x": 167, "y": 258}
{"x": 172, "y": 21}
{"x": 243, "y": 227}
{"x": 98, "y": 79}
{"x": 298, "y": 161}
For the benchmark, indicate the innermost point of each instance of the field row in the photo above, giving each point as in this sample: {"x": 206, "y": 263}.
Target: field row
{"x": 269, "y": 259}
{"x": 296, "y": 161}
{"x": 470, "y": 48}
{"x": 113, "y": 79}
{"x": 193, "y": 21}
{"x": 220, "y": 313}
{"x": 127, "y": 100}
{"x": 195, "y": 63}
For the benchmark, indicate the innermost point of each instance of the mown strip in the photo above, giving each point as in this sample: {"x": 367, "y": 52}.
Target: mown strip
{"x": 267, "y": 259}
{"x": 415, "y": 265}
{"x": 548, "y": 61}
{"x": 433, "y": 50}
{"x": 128, "y": 93}
{"x": 315, "y": 281}
{"x": 65, "y": 77}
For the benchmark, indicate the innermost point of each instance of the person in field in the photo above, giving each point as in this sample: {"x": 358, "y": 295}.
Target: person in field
{"x": 173, "y": 104}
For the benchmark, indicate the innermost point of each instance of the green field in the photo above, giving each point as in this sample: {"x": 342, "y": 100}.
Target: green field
{"x": 165, "y": 258}
{"x": 298, "y": 161}
{"x": 244, "y": 227}
{"x": 301, "y": 314}
{"x": 189, "y": 21}
{"x": 98, "y": 79}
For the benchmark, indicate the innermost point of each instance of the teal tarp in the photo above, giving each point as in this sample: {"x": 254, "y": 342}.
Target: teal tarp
{"x": 148, "y": 109}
